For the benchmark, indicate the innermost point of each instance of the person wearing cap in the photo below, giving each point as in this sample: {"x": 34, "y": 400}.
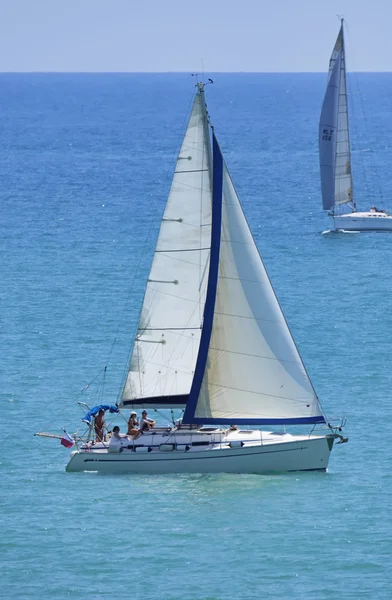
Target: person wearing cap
{"x": 133, "y": 424}
{"x": 146, "y": 422}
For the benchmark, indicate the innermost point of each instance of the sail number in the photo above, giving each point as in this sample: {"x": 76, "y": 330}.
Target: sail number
{"x": 327, "y": 135}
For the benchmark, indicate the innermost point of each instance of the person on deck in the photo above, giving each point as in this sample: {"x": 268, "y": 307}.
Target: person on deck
{"x": 145, "y": 422}
{"x": 133, "y": 425}
{"x": 115, "y": 440}
{"x": 99, "y": 424}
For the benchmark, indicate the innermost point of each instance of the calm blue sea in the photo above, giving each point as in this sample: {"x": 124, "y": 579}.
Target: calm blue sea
{"x": 85, "y": 168}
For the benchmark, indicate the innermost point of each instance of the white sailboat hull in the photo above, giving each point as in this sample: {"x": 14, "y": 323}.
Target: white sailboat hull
{"x": 363, "y": 221}
{"x": 292, "y": 453}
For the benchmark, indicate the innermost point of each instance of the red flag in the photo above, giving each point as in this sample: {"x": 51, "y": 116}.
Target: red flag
{"x": 67, "y": 441}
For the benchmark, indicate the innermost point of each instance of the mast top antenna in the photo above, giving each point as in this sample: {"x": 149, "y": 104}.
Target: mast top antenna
{"x": 201, "y": 84}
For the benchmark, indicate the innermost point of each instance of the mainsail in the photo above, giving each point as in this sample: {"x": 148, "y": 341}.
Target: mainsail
{"x": 167, "y": 342}
{"x": 334, "y": 138}
{"x": 248, "y": 370}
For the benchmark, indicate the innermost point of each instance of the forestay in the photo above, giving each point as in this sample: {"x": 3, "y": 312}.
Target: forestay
{"x": 168, "y": 336}
{"x": 249, "y": 369}
{"x": 334, "y": 139}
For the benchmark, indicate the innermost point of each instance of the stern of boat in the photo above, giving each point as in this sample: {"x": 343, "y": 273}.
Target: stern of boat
{"x": 76, "y": 462}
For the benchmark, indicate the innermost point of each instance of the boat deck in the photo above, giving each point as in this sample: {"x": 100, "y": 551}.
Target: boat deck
{"x": 193, "y": 441}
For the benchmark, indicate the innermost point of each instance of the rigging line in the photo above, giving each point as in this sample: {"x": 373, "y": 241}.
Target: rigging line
{"x": 214, "y": 360}
{"x": 194, "y": 302}
{"x": 155, "y": 290}
{"x": 198, "y": 226}
{"x": 229, "y": 241}
{"x": 354, "y": 125}
{"x": 190, "y": 146}
{"x": 191, "y": 171}
{"x": 367, "y": 135}
{"x": 182, "y": 250}
{"x": 203, "y": 283}
{"x": 165, "y": 417}
{"x": 72, "y": 401}
{"x": 175, "y": 333}
{"x": 367, "y": 186}
{"x": 142, "y": 253}
{"x": 172, "y": 385}
{"x": 170, "y": 328}
{"x": 241, "y": 279}
{"x": 192, "y": 187}
{"x": 165, "y": 365}
{"x": 252, "y": 318}
{"x": 263, "y": 394}
{"x": 187, "y": 262}
{"x": 158, "y": 291}
{"x": 159, "y": 376}
{"x": 222, "y": 351}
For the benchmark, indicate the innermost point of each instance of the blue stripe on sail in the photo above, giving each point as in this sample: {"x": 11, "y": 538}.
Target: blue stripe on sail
{"x": 209, "y": 308}
{"x": 294, "y": 421}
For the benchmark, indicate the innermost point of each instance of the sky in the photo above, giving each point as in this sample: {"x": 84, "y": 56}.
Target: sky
{"x": 186, "y": 35}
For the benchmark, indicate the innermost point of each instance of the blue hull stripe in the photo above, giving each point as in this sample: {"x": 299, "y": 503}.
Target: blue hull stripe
{"x": 209, "y": 308}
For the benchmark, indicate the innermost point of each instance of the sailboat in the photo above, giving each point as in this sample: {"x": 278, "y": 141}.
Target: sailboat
{"x": 211, "y": 341}
{"x": 335, "y": 153}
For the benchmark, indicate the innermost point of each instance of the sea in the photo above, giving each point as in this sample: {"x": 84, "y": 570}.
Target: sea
{"x": 86, "y": 162}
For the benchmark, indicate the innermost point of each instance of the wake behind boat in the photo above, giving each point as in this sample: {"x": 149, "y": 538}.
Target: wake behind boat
{"x": 211, "y": 340}
{"x": 335, "y": 153}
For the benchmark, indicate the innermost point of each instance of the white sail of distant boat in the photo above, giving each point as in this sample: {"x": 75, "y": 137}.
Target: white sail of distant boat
{"x": 335, "y": 152}
{"x": 334, "y": 137}
{"x": 211, "y": 338}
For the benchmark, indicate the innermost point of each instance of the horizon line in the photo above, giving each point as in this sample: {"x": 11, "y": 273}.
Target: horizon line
{"x": 38, "y": 72}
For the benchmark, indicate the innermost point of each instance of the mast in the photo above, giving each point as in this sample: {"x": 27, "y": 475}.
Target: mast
{"x": 206, "y": 122}
{"x": 344, "y": 67}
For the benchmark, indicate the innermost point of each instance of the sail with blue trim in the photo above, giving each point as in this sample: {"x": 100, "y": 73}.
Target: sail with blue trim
{"x": 249, "y": 370}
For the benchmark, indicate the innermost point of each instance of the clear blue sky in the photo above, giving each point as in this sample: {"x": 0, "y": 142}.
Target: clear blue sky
{"x": 175, "y": 35}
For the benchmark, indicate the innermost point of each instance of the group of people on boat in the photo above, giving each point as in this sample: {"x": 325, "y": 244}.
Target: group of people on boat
{"x": 374, "y": 209}
{"x": 135, "y": 428}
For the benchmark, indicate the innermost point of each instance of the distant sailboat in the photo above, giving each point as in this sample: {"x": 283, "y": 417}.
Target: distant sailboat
{"x": 211, "y": 340}
{"x": 335, "y": 153}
